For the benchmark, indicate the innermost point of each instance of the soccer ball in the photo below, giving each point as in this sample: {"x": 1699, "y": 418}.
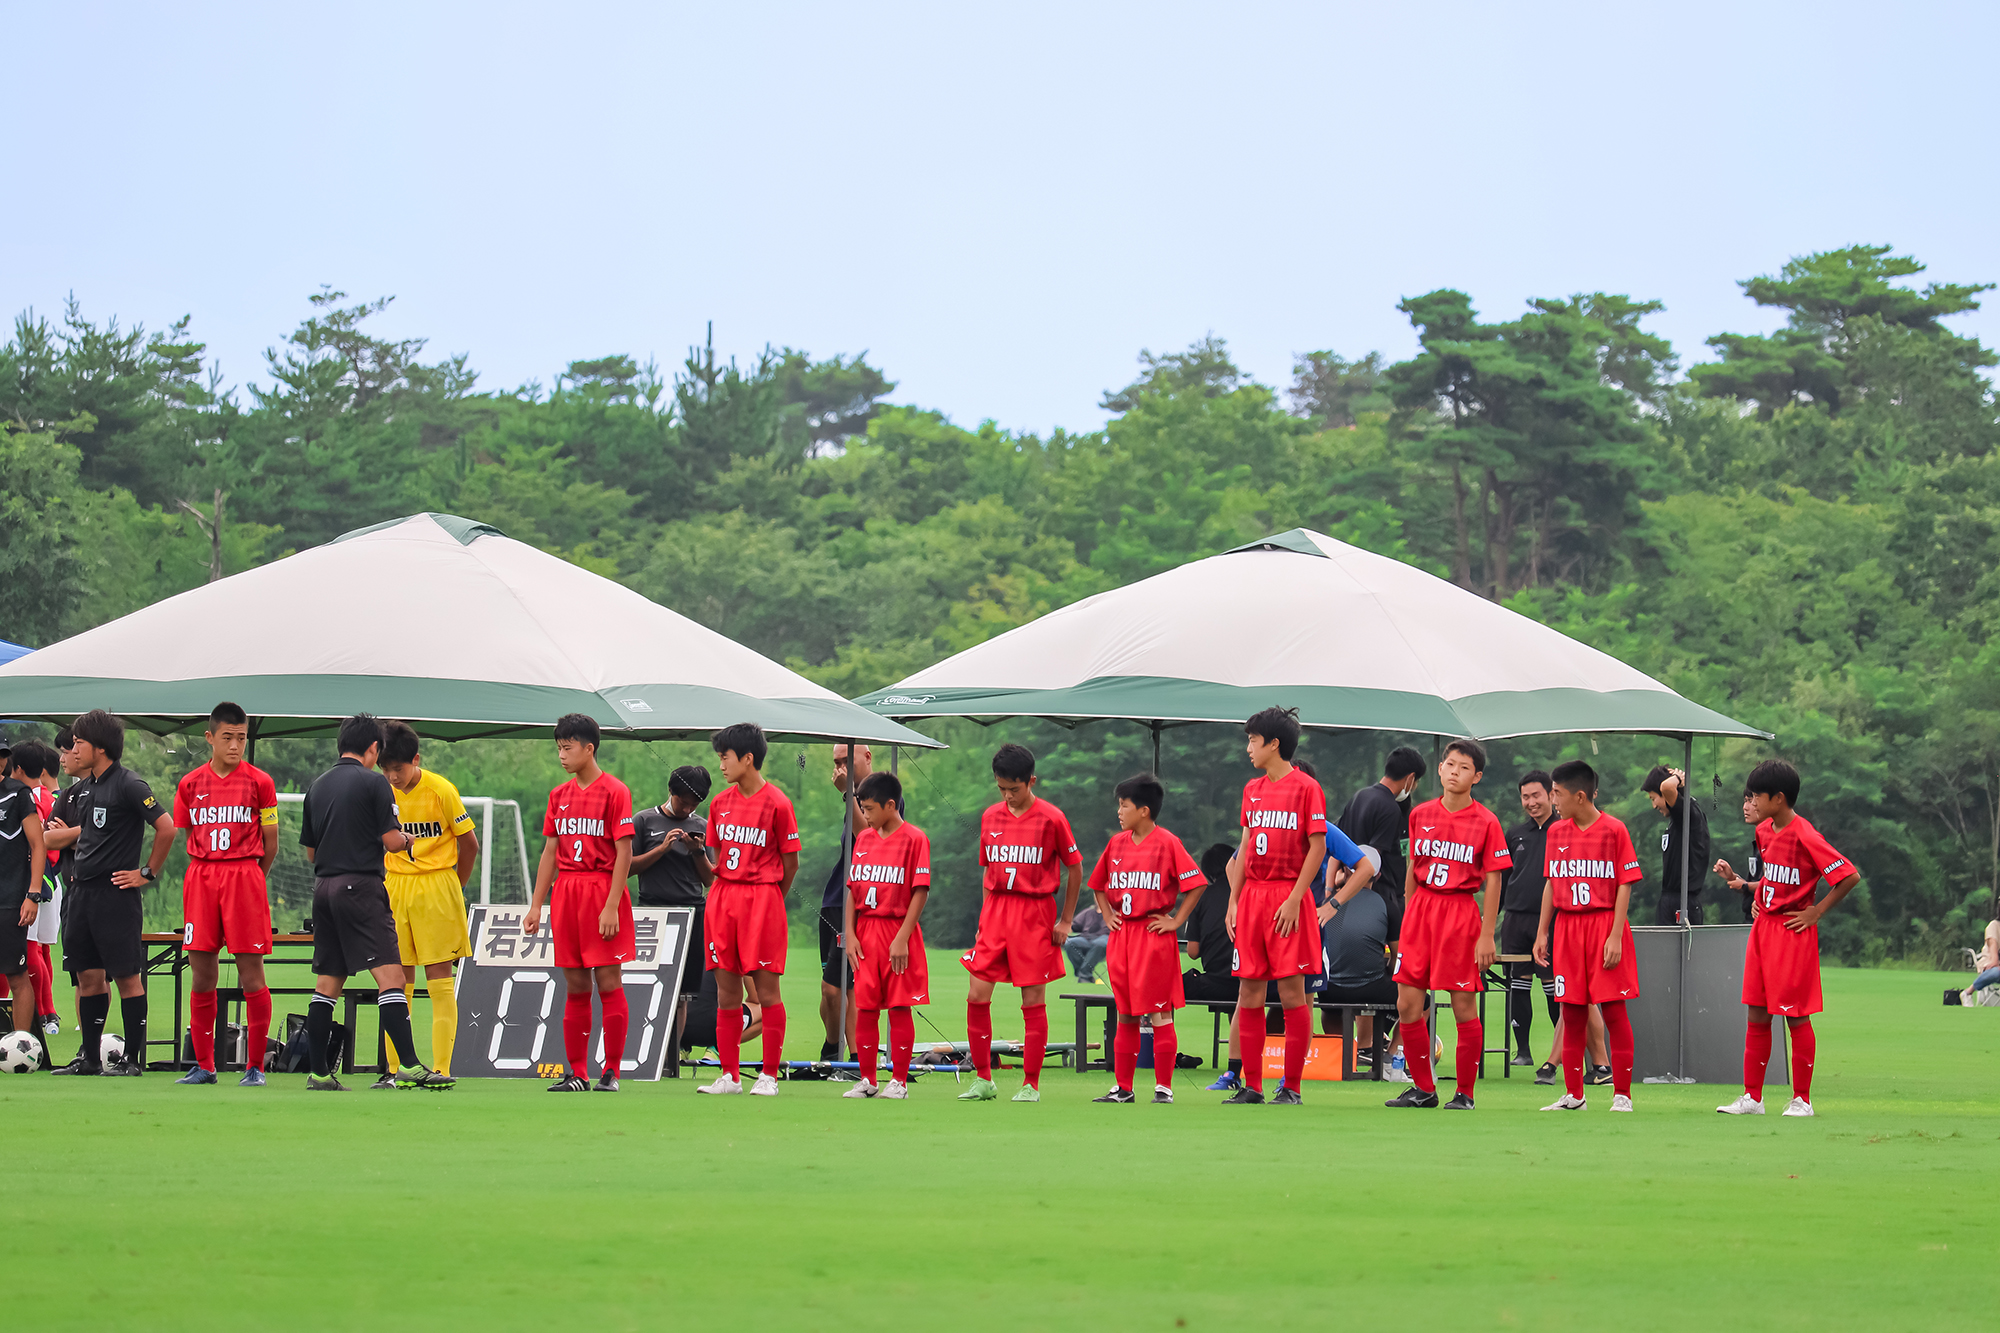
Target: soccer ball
{"x": 20, "y": 1053}
{"x": 110, "y": 1047}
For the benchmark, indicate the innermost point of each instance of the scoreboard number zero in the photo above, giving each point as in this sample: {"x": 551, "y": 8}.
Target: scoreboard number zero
{"x": 510, "y": 996}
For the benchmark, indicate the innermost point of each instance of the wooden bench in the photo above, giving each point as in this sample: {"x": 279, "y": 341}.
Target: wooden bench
{"x": 1086, "y": 1001}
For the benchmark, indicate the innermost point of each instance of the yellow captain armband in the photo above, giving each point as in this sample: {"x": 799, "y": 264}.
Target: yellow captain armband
{"x": 268, "y": 816}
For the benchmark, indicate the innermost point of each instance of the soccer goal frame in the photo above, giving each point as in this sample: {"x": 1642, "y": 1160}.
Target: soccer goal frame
{"x": 486, "y": 806}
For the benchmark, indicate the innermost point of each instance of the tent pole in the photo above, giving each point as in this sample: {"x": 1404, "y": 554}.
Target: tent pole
{"x": 1687, "y": 823}
{"x": 1156, "y": 749}
{"x": 250, "y": 750}
{"x": 851, "y": 819}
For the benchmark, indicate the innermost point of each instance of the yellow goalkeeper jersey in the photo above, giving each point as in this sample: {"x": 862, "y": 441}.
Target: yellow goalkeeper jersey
{"x": 433, "y": 814}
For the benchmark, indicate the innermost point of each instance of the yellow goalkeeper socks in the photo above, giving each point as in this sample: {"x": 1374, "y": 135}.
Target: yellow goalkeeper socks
{"x": 444, "y": 1021}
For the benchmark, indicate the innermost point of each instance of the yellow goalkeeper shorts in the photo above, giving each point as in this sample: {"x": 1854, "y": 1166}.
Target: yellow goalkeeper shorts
{"x": 430, "y": 917}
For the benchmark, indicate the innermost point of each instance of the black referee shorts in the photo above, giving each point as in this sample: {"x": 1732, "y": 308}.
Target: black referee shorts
{"x": 13, "y": 943}
{"x": 102, "y": 930}
{"x": 354, "y": 929}
{"x": 831, "y": 955}
{"x": 1517, "y": 935}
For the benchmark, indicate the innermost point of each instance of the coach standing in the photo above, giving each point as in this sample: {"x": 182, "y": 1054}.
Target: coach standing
{"x": 111, "y": 809}
{"x": 1663, "y": 787}
{"x": 349, "y": 823}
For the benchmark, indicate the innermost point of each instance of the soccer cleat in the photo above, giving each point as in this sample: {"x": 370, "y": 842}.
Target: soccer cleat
{"x": 386, "y": 1083}
{"x": 1546, "y": 1075}
{"x": 117, "y": 1067}
{"x": 324, "y": 1083}
{"x": 1523, "y": 1061}
{"x": 1229, "y": 1082}
{"x": 1798, "y": 1106}
{"x": 982, "y": 1090}
{"x": 861, "y": 1092}
{"x": 1287, "y": 1096}
{"x": 432, "y": 1081}
{"x": 1459, "y": 1103}
{"x": 1566, "y": 1103}
{"x": 765, "y": 1086}
{"x": 1244, "y": 1096}
{"x": 574, "y": 1083}
{"x": 896, "y": 1092}
{"x": 1123, "y": 1096}
{"x": 724, "y": 1086}
{"x": 1620, "y": 1102}
{"x": 1414, "y": 1097}
{"x": 606, "y": 1082}
{"x": 1597, "y": 1076}
{"x": 1743, "y": 1105}
{"x": 1028, "y": 1093}
{"x": 197, "y": 1075}
{"x": 1162, "y": 1095}
{"x": 411, "y": 1076}
{"x": 83, "y": 1064}
{"x": 252, "y": 1078}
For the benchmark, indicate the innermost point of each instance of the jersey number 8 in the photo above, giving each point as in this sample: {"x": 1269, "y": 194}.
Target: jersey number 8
{"x": 1125, "y": 903}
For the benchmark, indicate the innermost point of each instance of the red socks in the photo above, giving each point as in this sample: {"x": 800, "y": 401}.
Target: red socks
{"x": 43, "y": 975}
{"x": 1618, "y": 1036}
{"x": 1756, "y": 1055}
{"x": 979, "y": 1036}
{"x": 576, "y": 1033}
{"x": 1417, "y": 1053}
{"x": 902, "y": 1040}
{"x": 257, "y": 1017}
{"x": 868, "y": 1039}
{"x": 1298, "y": 1040}
{"x": 616, "y": 1015}
{"x": 1471, "y": 1036}
{"x": 1576, "y": 1031}
{"x": 201, "y": 1024}
{"x": 1804, "y": 1047}
{"x": 1035, "y": 1017}
{"x": 1125, "y": 1054}
{"x": 729, "y": 1039}
{"x": 774, "y": 1038}
{"x": 1250, "y": 1044}
{"x": 1166, "y": 1049}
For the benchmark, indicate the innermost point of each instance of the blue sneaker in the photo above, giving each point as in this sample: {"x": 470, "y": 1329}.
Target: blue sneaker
{"x": 1229, "y": 1082}
{"x": 253, "y": 1079}
{"x": 197, "y": 1075}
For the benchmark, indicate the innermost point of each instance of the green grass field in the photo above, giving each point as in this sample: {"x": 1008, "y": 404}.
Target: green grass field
{"x": 147, "y": 1205}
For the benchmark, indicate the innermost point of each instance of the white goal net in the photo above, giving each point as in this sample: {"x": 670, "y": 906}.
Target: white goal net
{"x": 501, "y": 875}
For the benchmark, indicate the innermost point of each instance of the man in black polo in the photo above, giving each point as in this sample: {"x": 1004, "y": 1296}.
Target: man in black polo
{"x": 1521, "y": 912}
{"x": 1663, "y": 788}
{"x": 22, "y": 857}
{"x": 1378, "y": 819}
{"x": 106, "y": 812}
{"x": 674, "y": 869}
{"x": 348, "y": 824}
{"x": 836, "y": 983}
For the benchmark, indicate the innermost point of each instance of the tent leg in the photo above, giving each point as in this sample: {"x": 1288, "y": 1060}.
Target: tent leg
{"x": 1687, "y": 823}
{"x": 1156, "y": 749}
{"x": 250, "y": 750}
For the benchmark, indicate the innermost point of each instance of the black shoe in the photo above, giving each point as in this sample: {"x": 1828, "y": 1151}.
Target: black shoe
{"x": 828, "y": 1053}
{"x": 1412, "y": 1097}
{"x": 1162, "y": 1096}
{"x": 324, "y": 1083}
{"x": 122, "y": 1068}
{"x": 386, "y": 1083}
{"x": 1459, "y": 1103}
{"x": 1286, "y": 1096}
{"x": 1523, "y": 1061}
{"x": 1546, "y": 1075}
{"x": 606, "y": 1082}
{"x": 428, "y": 1081}
{"x": 83, "y": 1064}
{"x": 573, "y": 1083}
{"x": 1243, "y": 1096}
{"x": 1597, "y": 1076}
{"x": 1123, "y": 1096}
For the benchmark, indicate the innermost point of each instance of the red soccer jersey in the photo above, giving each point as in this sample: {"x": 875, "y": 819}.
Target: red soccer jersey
{"x": 1025, "y": 853}
{"x": 1586, "y": 866}
{"x": 587, "y": 823}
{"x": 751, "y": 834}
{"x": 886, "y": 870}
{"x": 226, "y": 817}
{"x": 1142, "y": 878}
{"x": 1454, "y": 853}
{"x": 1796, "y": 858}
{"x": 1281, "y": 816}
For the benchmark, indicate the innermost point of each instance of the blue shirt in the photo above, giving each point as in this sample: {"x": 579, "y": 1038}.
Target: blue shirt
{"x": 1340, "y": 850}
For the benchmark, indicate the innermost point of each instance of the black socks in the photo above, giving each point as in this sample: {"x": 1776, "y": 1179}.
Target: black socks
{"x": 93, "y": 1010}
{"x": 394, "y": 1010}
{"x": 319, "y": 1030}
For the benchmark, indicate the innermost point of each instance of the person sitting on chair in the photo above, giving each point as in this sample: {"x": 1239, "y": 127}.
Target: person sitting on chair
{"x": 1087, "y": 942}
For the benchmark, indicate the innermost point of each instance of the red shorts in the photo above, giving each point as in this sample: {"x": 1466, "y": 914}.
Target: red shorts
{"x": 1261, "y": 952}
{"x": 1781, "y": 968}
{"x": 574, "y": 907}
{"x": 746, "y": 928}
{"x": 1016, "y": 941}
{"x": 876, "y": 984}
{"x": 1578, "y": 955}
{"x": 1145, "y": 970}
{"x": 1440, "y": 934}
{"x": 225, "y": 903}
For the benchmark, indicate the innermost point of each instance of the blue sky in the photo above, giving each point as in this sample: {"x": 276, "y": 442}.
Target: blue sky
{"x": 1002, "y": 205}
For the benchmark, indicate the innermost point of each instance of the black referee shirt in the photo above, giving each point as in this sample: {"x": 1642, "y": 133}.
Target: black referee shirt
{"x": 1698, "y": 861}
{"x": 1375, "y": 818}
{"x": 113, "y": 810}
{"x": 1522, "y": 889}
{"x": 64, "y": 808}
{"x": 16, "y": 875}
{"x": 348, "y": 809}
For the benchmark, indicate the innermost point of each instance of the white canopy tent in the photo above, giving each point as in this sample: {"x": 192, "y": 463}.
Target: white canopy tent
{"x": 439, "y": 621}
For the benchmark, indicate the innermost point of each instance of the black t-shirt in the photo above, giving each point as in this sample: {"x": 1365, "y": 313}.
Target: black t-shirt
{"x": 114, "y": 810}
{"x": 17, "y": 876}
{"x": 1528, "y": 843}
{"x": 671, "y": 881}
{"x": 348, "y": 809}
{"x": 1375, "y": 818}
{"x": 1206, "y": 924}
{"x": 1356, "y": 941}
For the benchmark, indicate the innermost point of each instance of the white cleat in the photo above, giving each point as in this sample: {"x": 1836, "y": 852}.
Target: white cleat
{"x": 897, "y": 1092}
{"x": 862, "y": 1091}
{"x": 1621, "y": 1102}
{"x": 1743, "y": 1105}
{"x": 1799, "y": 1106}
{"x": 765, "y": 1086}
{"x": 1566, "y": 1103}
{"x": 724, "y": 1086}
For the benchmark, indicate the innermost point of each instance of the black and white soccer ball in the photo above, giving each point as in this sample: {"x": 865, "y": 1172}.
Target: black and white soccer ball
{"x": 110, "y": 1047}
{"x": 20, "y": 1053}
